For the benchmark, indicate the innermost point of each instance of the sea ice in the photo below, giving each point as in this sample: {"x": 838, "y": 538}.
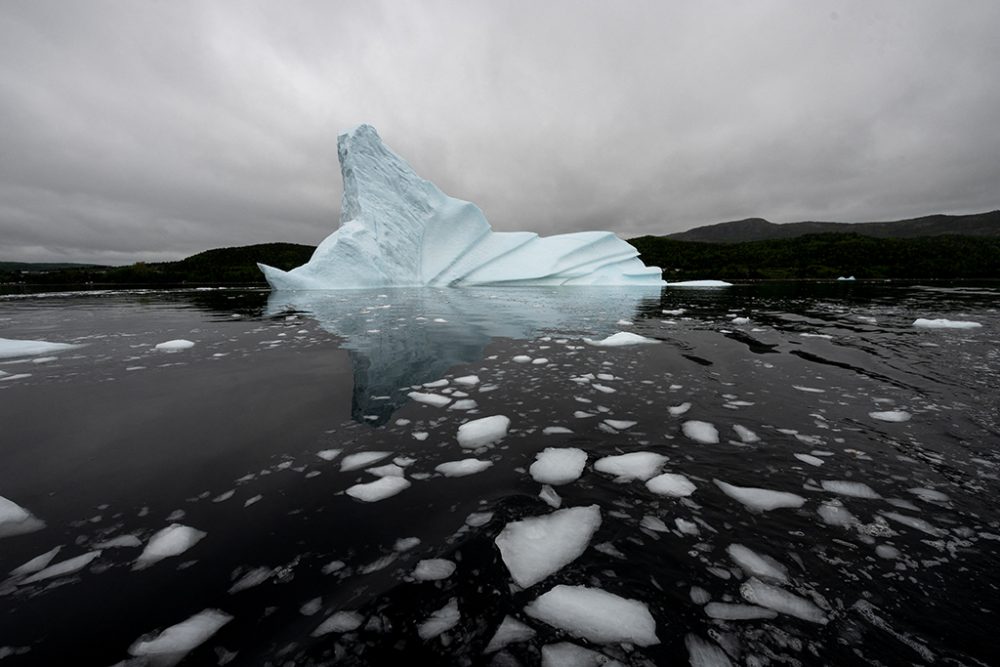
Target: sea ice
{"x": 757, "y": 592}
{"x": 62, "y": 568}
{"x": 702, "y": 432}
{"x": 10, "y": 347}
{"x": 929, "y": 495}
{"x": 852, "y": 489}
{"x": 361, "y": 460}
{"x": 485, "y": 431}
{"x": 380, "y": 489}
{"x": 254, "y": 577}
{"x": 462, "y": 468}
{"x": 440, "y": 621}
{"x": 745, "y": 434}
{"x": 760, "y": 500}
{"x": 433, "y": 569}
{"x": 945, "y": 324}
{"x": 342, "y": 621}
{"x": 671, "y": 484}
{"x": 558, "y": 465}
{"x": 174, "y": 345}
{"x": 568, "y": 654}
{"x": 555, "y": 430}
{"x": 35, "y": 564}
{"x": 15, "y": 520}
{"x": 703, "y": 653}
{"x": 635, "y": 465}
{"x": 891, "y": 416}
{"x": 595, "y": 615}
{"x": 510, "y": 631}
{"x": 467, "y": 380}
{"x": 836, "y": 515}
{"x": 535, "y": 547}
{"x": 621, "y": 339}
{"x": 757, "y": 564}
{"x": 170, "y": 646}
{"x": 913, "y": 522}
{"x": 173, "y": 540}
{"x": 809, "y": 458}
{"x": 435, "y": 400}
{"x": 737, "y": 612}
{"x": 700, "y": 283}
{"x": 678, "y": 410}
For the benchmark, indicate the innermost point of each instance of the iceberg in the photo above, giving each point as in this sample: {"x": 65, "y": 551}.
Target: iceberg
{"x": 398, "y": 229}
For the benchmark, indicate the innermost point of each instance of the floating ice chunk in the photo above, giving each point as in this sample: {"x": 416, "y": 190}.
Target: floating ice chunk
{"x": 329, "y": 454}
{"x": 619, "y": 424}
{"x": 737, "y": 612}
{"x": 254, "y": 577}
{"x": 437, "y": 383}
{"x": 462, "y": 468}
{"x": 420, "y": 435}
{"x": 380, "y": 489}
{"x": 809, "y": 458}
{"x": 654, "y": 524}
{"x": 464, "y": 404}
{"x": 555, "y": 430}
{"x": 440, "y": 621}
{"x": 174, "y": 345}
{"x": 535, "y": 547}
{"x": 745, "y": 434}
{"x": 595, "y": 615}
{"x": 477, "y": 519}
{"x": 740, "y": 320}
{"x": 945, "y": 324}
{"x": 913, "y": 522}
{"x": 621, "y": 339}
{"x": 809, "y": 390}
{"x": 678, "y": 410}
{"x": 703, "y": 653}
{"x": 686, "y": 527}
{"x": 550, "y": 497}
{"x": 702, "y": 432}
{"x": 170, "y": 646}
{"x": 406, "y": 543}
{"x": 699, "y": 595}
{"x": 558, "y": 465}
{"x": 35, "y": 564}
{"x": 467, "y": 380}
{"x": 173, "y": 540}
{"x": 388, "y": 470}
{"x": 675, "y": 311}
{"x": 63, "y": 568}
{"x": 757, "y": 564}
{"x": 10, "y": 347}
{"x": 361, "y": 460}
{"x": 436, "y": 400}
{"x": 510, "y": 631}
{"x": 122, "y": 541}
{"x": 852, "y": 489}
{"x": 700, "y": 283}
{"x": 757, "y": 592}
{"x": 845, "y": 278}
{"x": 311, "y": 607}
{"x": 541, "y": 361}
{"x": 521, "y": 359}
{"x": 886, "y": 551}
{"x": 891, "y": 416}
{"x": 433, "y": 569}
{"x": 671, "y": 484}
{"x": 635, "y": 465}
{"x": 836, "y": 515}
{"x": 567, "y": 654}
{"x": 760, "y": 500}
{"x": 15, "y": 520}
{"x": 929, "y": 495}
{"x": 480, "y": 432}
{"x": 342, "y": 621}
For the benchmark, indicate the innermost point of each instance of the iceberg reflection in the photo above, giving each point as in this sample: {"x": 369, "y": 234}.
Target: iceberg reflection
{"x": 399, "y": 337}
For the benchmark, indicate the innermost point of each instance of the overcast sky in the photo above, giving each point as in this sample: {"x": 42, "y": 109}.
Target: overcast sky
{"x": 134, "y": 130}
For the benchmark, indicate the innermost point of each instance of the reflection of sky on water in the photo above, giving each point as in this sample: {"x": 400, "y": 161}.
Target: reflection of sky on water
{"x": 402, "y": 337}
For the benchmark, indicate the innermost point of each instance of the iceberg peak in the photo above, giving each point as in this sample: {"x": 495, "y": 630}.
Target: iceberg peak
{"x": 398, "y": 229}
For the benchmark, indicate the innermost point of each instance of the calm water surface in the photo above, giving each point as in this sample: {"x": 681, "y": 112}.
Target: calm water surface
{"x": 242, "y": 439}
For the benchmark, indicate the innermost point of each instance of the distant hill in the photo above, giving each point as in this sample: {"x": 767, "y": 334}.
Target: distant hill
{"x": 759, "y": 229}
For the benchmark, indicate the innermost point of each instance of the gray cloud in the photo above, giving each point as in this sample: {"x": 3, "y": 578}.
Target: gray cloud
{"x": 152, "y": 130}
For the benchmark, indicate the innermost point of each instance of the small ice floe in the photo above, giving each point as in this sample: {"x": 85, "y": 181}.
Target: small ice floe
{"x": 10, "y": 347}
{"x": 700, "y": 283}
{"x": 929, "y": 495}
{"x": 387, "y": 470}
{"x": 678, "y": 410}
{"x": 440, "y": 621}
{"x": 757, "y": 592}
{"x": 342, "y": 621}
{"x": 760, "y": 500}
{"x": 887, "y": 552}
{"x": 462, "y": 468}
{"x": 809, "y": 458}
{"x": 913, "y": 522}
{"x": 254, "y": 577}
{"x": 62, "y": 568}
{"x": 481, "y": 432}
{"x": 433, "y": 569}
{"x": 891, "y": 416}
{"x": 120, "y": 542}
{"x": 15, "y": 520}
{"x": 443, "y": 382}
{"x": 851, "y": 489}
{"x": 809, "y": 390}
{"x": 435, "y": 400}
{"x": 464, "y": 404}
{"x": 702, "y": 432}
{"x": 556, "y": 430}
{"x": 329, "y": 454}
{"x": 550, "y": 497}
{"x": 535, "y": 547}
{"x": 558, "y": 465}
{"x": 924, "y": 323}
{"x": 835, "y": 514}
{"x": 510, "y": 631}
{"x": 621, "y": 339}
{"x": 174, "y": 345}
{"x": 568, "y": 654}
{"x": 740, "y": 320}
{"x": 170, "y": 646}
{"x": 845, "y": 278}
{"x": 635, "y": 465}
{"x": 620, "y": 424}
{"x": 737, "y": 612}
{"x": 312, "y": 607}
{"x": 674, "y": 312}
{"x": 703, "y": 653}
{"x": 595, "y": 615}
{"x": 757, "y": 565}
{"x": 521, "y": 359}
{"x": 467, "y": 380}
{"x": 361, "y": 460}
{"x": 540, "y": 361}
{"x": 35, "y": 564}
{"x": 745, "y": 435}
{"x": 405, "y": 544}
{"x": 173, "y": 540}
{"x": 671, "y": 484}
{"x": 380, "y": 489}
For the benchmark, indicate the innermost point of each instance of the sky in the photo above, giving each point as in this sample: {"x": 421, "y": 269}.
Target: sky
{"x": 150, "y": 130}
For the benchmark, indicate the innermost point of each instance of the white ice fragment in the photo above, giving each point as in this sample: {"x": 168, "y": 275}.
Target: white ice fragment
{"x": 174, "y": 345}
{"x": 671, "y": 484}
{"x": 173, "y": 540}
{"x": 703, "y": 653}
{"x": 809, "y": 458}
{"x": 758, "y": 565}
{"x": 700, "y": 431}
{"x": 510, "y": 631}
{"x": 675, "y": 311}
{"x": 312, "y": 607}
{"x": 437, "y": 383}
{"x": 35, "y": 564}
{"x": 433, "y": 569}
{"x": 621, "y": 339}
{"x": 361, "y": 460}
{"x": 10, "y": 347}
{"x": 435, "y": 400}
{"x": 678, "y": 410}
{"x": 485, "y": 431}
{"x": 945, "y": 324}
{"x": 737, "y": 612}
{"x": 420, "y": 435}
{"x": 467, "y": 380}
{"x": 477, "y": 519}
{"x": 558, "y": 465}
{"x": 595, "y": 615}
{"x": 653, "y": 523}
{"x": 170, "y": 646}
{"x": 342, "y": 621}
{"x": 913, "y": 522}
{"x": 836, "y": 515}
{"x": 929, "y": 495}
{"x": 521, "y": 359}
{"x": 464, "y": 404}
{"x": 15, "y": 520}
{"x": 568, "y": 654}
{"x": 462, "y": 468}
{"x": 380, "y": 489}
{"x": 635, "y": 465}
{"x": 700, "y": 283}
{"x": 555, "y": 430}
{"x": 620, "y": 424}
{"x": 329, "y": 454}
{"x": 440, "y": 621}
{"x": 387, "y": 470}
{"x": 851, "y": 489}
{"x": 122, "y": 541}
{"x": 254, "y": 577}
{"x": 891, "y": 416}
{"x": 405, "y": 543}
{"x": 745, "y": 434}
{"x": 809, "y": 390}
{"x": 760, "y": 500}
{"x": 740, "y": 320}
{"x": 63, "y": 568}
{"x": 757, "y": 592}
{"x": 888, "y": 552}
{"x": 550, "y": 497}
{"x": 535, "y": 547}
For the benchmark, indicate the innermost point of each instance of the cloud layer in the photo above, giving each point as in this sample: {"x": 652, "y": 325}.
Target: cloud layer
{"x": 153, "y": 130}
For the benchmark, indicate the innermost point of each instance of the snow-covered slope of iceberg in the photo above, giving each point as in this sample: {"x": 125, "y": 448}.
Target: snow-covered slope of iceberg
{"x": 399, "y": 229}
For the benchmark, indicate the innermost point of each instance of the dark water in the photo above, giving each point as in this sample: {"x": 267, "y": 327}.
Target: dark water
{"x": 114, "y": 438}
